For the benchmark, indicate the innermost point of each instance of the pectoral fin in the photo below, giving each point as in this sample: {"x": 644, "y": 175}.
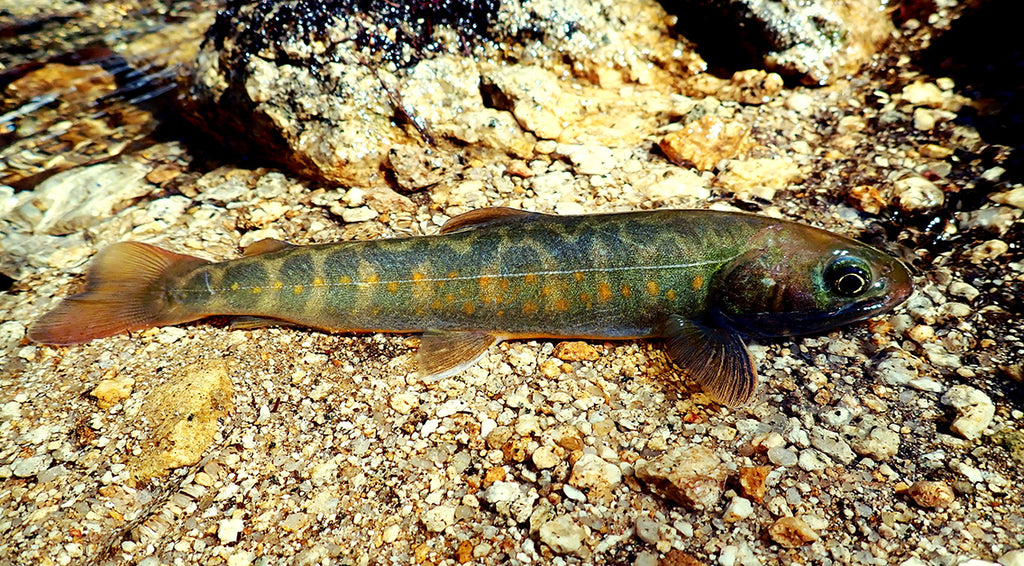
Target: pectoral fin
{"x": 444, "y": 353}
{"x": 716, "y": 358}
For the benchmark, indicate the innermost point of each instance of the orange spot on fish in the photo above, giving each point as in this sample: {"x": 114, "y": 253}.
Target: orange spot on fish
{"x": 626, "y": 291}
{"x": 578, "y": 276}
{"x": 235, "y": 286}
{"x": 436, "y": 305}
{"x": 317, "y": 282}
{"x": 485, "y": 281}
{"x": 585, "y": 299}
{"x": 604, "y": 292}
{"x": 393, "y": 286}
{"x": 277, "y": 285}
{"x": 530, "y": 307}
{"x": 545, "y": 290}
{"x": 500, "y": 313}
{"x": 698, "y": 282}
{"x": 373, "y": 279}
{"x": 450, "y": 298}
{"x": 561, "y": 305}
{"x": 468, "y": 307}
{"x": 503, "y": 283}
{"x": 531, "y": 279}
{"x": 671, "y": 294}
{"x": 417, "y": 277}
{"x": 298, "y": 289}
{"x": 345, "y": 280}
{"x": 453, "y": 274}
{"x": 257, "y": 290}
{"x": 652, "y": 288}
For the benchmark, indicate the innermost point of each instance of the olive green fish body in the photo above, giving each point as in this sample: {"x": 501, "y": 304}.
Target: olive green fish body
{"x": 698, "y": 278}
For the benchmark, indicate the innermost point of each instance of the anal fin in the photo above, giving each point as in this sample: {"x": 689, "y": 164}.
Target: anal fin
{"x": 444, "y": 353}
{"x": 717, "y": 358}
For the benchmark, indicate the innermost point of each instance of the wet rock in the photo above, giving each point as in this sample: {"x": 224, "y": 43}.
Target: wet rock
{"x": 1014, "y": 198}
{"x": 1012, "y": 558}
{"x": 692, "y": 477}
{"x": 879, "y": 444}
{"x": 343, "y": 92}
{"x": 563, "y": 535}
{"x": 739, "y": 509}
{"x": 706, "y": 142}
{"x": 752, "y": 86}
{"x": 1013, "y": 441}
{"x": 817, "y": 41}
{"x": 931, "y": 494}
{"x": 830, "y": 443}
{"x": 792, "y": 532}
{"x": 974, "y": 408}
{"x": 986, "y": 251}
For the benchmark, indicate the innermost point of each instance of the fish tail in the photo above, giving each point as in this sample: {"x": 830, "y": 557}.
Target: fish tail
{"x": 127, "y": 288}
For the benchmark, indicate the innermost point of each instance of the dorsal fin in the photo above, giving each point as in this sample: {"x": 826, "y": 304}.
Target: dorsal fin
{"x": 265, "y": 246}
{"x": 487, "y": 217}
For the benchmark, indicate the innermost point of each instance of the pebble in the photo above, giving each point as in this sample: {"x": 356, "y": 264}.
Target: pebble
{"x": 880, "y": 444}
{"x": 931, "y": 494}
{"x": 792, "y": 532}
{"x": 439, "y": 518}
{"x": 404, "y": 402}
{"x": 576, "y": 352}
{"x": 646, "y": 558}
{"x": 679, "y": 183}
{"x": 360, "y": 214}
{"x": 28, "y": 467}
{"x": 1012, "y": 558}
{"x": 692, "y": 477}
{"x": 705, "y": 142}
{"x": 752, "y": 479}
{"x": 11, "y": 332}
{"x": 830, "y": 443}
{"x": 760, "y": 178}
{"x": 228, "y": 529}
{"x": 739, "y": 509}
{"x": 588, "y": 159}
{"x": 545, "y": 457}
{"x": 110, "y": 392}
{"x": 591, "y": 472}
{"x": 563, "y": 535}
{"x": 647, "y": 530}
{"x": 1014, "y": 198}
{"x": 918, "y": 194}
{"x": 974, "y": 408}
{"x": 920, "y": 93}
{"x": 781, "y": 456}
{"x": 988, "y": 250}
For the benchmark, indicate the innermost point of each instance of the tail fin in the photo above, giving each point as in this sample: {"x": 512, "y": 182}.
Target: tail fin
{"x": 125, "y": 290}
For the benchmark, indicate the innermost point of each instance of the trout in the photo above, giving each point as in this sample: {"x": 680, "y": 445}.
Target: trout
{"x": 699, "y": 279}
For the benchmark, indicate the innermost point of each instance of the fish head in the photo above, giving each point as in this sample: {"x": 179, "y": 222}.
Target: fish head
{"x": 796, "y": 279}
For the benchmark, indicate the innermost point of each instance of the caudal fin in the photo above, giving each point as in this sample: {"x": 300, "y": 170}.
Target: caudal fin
{"x": 125, "y": 290}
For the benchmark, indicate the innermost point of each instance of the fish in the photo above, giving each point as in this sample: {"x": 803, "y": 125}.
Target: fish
{"x": 701, "y": 280}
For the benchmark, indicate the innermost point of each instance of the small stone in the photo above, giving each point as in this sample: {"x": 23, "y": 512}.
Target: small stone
{"x": 647, "y": 530}
{"x": 974, "y": 408}
{"x": 781, "y": 456}
{"x": 880, "y": 444}
{"x": 935, "y": 151}
{"x": 705, "y": 142}
{"x": 575, "y": 352}
{"x": 921, "y": 333}
{"x": 1014, "y": 198}
{"x": 439, "y": 518}
{"x": 464, "y": 552}
{"x": 931, "y": 494}
{"x": 646, "y": 558}
{"x": 920, "y": 93}
{"x": 986, "y": 251}
{"x": 917, "y": 194}
{"x": 545, "y": 457}
{"x": 361, "y": 214}
{"x": 693, "y": 477}
{"x": 1012, "y": 558}
{"x": 739, "y": 509}
{"x": 792, "y": 532}
{"x": 961, "y": 289}
{"x": 29, "y": 467}
{"x": 760, "y": 178}
{"x": 678, "y": 183}
{"x": 588, "y": 159}
{"x": 228, "y": 529}
{"x": 752, "y": 478}
{"x": 563, "y": 535}
{"x": 593, "y": 473}
{"x": 830, "y": 443}
{"x": 404, "y": 403}
{"x": 110, "y": 392}
{"x": 501, "y": 491}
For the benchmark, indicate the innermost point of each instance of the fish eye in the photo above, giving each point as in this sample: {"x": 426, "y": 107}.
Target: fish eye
{"x": 847, "y": 276}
